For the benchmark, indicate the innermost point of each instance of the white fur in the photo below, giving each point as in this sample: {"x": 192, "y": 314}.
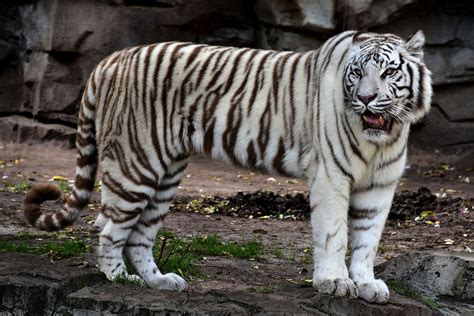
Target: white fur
{"x": 300, "y": 111}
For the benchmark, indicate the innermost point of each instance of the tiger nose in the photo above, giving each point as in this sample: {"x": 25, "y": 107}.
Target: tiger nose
{"x": 367, "y": 98}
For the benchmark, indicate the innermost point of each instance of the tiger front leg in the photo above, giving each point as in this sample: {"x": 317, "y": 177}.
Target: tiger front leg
{"x": 329, "y": 205}
{"x": 368, "y": 213}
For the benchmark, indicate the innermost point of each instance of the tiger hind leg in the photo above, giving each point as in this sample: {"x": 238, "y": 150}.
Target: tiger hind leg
{"x": 121, "y": 210}
{"x": 139, "y": 246}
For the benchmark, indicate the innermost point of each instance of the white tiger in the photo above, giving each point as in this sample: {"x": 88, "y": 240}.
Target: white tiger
{"x": 338, "y": 117}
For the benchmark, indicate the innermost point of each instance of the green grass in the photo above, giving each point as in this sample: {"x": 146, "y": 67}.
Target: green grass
{"x": 404, "y": 290}
{"x": 172, "y": 254}
{"x": 56, "y": 250}
{"x": 64, "y": 186}
{"x": 213, "y": 246}
{"x": 177, "y": 255}
{"x": 17, "y": 187}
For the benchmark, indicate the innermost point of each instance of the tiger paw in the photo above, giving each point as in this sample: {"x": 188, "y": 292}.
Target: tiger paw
{"x": 343, "y": 287}
{"x": 169, "y": 281}
{"x": 373, "y": 291}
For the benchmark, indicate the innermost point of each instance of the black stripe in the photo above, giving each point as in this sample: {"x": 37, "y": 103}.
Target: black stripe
{"x": 336, "y": 161}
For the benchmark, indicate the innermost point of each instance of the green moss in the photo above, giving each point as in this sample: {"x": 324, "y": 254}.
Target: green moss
{"x": 261, "y": 289}
{"x": 403, "y": 289}
{"x": 277, "y": 253}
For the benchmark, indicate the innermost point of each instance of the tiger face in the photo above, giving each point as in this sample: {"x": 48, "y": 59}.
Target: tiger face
{"x": 386, "y": 83}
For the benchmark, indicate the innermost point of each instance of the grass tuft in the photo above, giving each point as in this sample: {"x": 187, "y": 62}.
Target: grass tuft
{"x": 128, "y": 280}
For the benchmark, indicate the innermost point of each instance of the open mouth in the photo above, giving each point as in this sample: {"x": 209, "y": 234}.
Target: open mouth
{"x": 375, "y": 121}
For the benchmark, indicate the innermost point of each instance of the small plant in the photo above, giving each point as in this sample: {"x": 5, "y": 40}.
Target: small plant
{"x": 405, "y": 290}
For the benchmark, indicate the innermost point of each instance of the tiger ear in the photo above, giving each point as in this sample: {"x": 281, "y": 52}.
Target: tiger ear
{"x": 415, "y": 44}
{"x": 360, "y": 37}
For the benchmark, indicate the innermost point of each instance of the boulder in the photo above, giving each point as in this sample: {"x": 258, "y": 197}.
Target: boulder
{"x": 310, "y": 15}
{"x": 274, "y": 37}
{"x": 15, "y": 128}
{"x": 12, "y": 92}
{"x": 435, "y": 274}
{"x": 56, "y": 85}
{"x": 455, "y": 101}
{"x": 98, "y": 28}
{"x": 436, "y": 131}
{"x": 449, "y": 52}
{"x": 450, "y": 64}
{"x": 365, "y": 14}
{"x": 31, "y": 285}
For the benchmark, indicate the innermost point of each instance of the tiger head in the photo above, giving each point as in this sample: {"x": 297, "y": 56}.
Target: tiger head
{"x": 386, "y": 83}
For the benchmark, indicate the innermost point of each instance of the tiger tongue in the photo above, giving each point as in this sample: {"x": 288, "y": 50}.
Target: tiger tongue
{"x": 373, "y": 120}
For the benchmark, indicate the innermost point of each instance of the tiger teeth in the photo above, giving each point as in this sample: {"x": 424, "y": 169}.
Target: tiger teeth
{"x": 365, "y": 119}
{"x": 381, "y": 120}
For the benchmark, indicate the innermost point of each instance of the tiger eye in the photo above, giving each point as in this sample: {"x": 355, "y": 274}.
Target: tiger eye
{"x": 389, "y": 72}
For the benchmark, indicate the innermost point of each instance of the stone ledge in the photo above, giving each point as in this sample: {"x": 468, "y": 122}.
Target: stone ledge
{"x": 34, "y": 285}
{"x": 20, "y": 129}
{"x": 434, "y": 273}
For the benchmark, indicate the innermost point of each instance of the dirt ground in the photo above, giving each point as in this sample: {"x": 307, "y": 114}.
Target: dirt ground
{"x": 448, "y": 226}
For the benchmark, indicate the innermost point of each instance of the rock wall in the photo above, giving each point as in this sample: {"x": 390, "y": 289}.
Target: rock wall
{"x": 49, "y": 47}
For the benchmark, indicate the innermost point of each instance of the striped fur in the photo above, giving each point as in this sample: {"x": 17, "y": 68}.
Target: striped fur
{"x": 147, "y": 109}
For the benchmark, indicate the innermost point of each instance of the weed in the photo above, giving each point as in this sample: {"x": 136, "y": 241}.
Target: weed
{"x": 403, "y": 289}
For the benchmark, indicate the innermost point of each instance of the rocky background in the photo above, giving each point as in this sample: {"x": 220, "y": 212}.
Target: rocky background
{"x": 49, "y": 47}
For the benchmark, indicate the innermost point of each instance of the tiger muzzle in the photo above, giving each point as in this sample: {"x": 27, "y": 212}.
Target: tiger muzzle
{"x": 375, "y": 121}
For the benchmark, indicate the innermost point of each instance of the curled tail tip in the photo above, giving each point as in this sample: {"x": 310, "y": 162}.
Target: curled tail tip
{"x": 36, "y": 195}
{"x": 42, "y": 192}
